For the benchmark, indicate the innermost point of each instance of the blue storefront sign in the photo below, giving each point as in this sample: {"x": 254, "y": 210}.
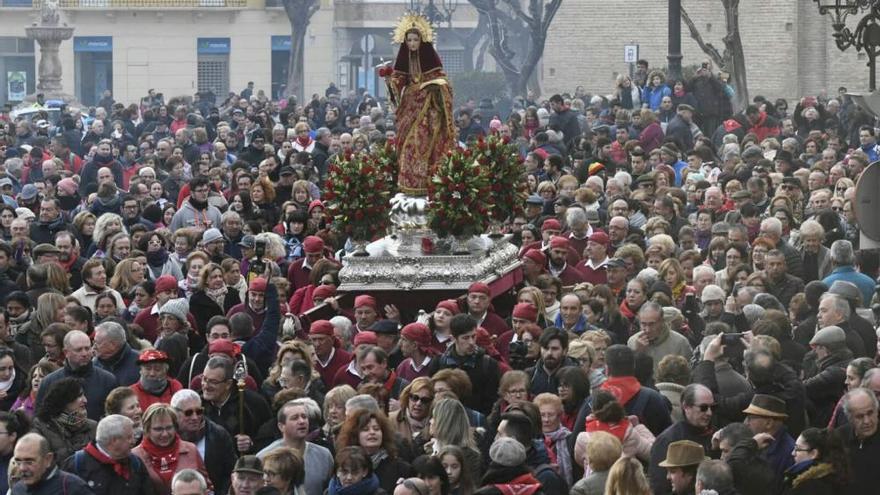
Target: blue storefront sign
{"x": 93, "y": 44}
{"x": 213, "y": 45}
{"x": 281, "y": 43}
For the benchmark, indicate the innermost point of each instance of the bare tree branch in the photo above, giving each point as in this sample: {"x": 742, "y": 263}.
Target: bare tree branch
{"x": 707, "y": 48}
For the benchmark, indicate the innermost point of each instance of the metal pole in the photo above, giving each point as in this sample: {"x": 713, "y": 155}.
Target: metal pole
{"x": 674, "y": 56}
{"x": 872, "y": 74}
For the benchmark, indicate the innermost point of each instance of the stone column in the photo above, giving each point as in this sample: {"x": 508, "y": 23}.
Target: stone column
{"x": 50, "y": 66}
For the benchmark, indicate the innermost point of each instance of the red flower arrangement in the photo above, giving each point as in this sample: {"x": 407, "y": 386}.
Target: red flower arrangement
{"x": 357, "y": 193}
{"x": 506, "y": 170}
{"x": 458, "y": 196}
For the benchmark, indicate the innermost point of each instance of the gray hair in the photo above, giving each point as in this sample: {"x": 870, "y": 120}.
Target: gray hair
{"x": 841, "y": 305}
{"x": 852, "y": 393}
{"x": 68, "y": 337}
{"x": 14, "y": 164}
{"x": 42, "y": 443}
{"x": 321, "y": 133}
{"x": 768, "y": 301}
{"x": 772, "y": 225}
{"x": 344, "y": 326}
{"x": 112, "y": 427}
{"x": 715, "y": 475}
{"x": 184, "y": 395}
{"x": 224, "y": 362}
{"x": 869, "y": 375}
{"x": 651, "y": 306}
{"x": 312, "y": 408}
{"x": 188, "y": 476}
{"x": 689, "y": 394}
{"x": 842, "y": 253}
{"x": 112, "y": 330}
{"x": 699, "y": 270}
{"x": 229, "y": 215}
{"x": 575, "y": 216}
{"x": 361, "y": 401}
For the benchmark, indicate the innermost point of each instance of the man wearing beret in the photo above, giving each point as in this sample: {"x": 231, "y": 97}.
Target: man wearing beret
{"x": 534, "y": 263}
{"x": 298, "y": 273}
{"x": 154, "y": 385}
{"x": 595, "y": 259}
{"x": 415, "y": 345}
{"x": 255, "y": 306}
{"x": 524, "y": 313}
{"x": 559, "y": 266}
{"x": 330, "y": 357}
{"x": 479, "y": 300}
{"x": 366, "y": 313}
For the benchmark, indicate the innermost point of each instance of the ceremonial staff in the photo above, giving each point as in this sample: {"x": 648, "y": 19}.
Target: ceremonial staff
{"x": 239, "y": 376}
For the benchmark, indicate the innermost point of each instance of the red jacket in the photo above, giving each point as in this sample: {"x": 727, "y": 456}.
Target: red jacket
{"x": 146, "y": 399}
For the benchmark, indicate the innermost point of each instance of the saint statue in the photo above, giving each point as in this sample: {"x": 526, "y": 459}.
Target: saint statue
{"x": 422, "y": 94}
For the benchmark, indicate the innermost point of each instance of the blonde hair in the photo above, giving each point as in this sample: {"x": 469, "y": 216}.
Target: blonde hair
{"x": 627, "y": 477}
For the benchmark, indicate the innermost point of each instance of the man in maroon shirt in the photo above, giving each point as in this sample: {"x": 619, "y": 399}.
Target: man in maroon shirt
{"x": 479, "y": 299}
{"x": 523, "y": 314}
{"x": 415, "y": 344}
{"x": 533, "y": 263}
{"x": 366, "y": 312}
{"x": 330, "y": 357}
{"x": 596, "y": 257}
{"x": 298, "y": 273}
{"x": 350, "y": 374}
{"x": 559, "y": 266}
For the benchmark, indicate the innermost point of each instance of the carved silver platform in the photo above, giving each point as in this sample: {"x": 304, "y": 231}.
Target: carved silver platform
{"x": 397, "y": 263}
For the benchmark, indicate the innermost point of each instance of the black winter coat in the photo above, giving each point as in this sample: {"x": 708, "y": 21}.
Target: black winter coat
{"x": 56, "y": 482}
{"x": 752, "y": 475}
{"x": 203, "y": 308}
{"x": 103, "y": 480}
{"x": 827, "y": 386}
{"x": 818, "y": 479}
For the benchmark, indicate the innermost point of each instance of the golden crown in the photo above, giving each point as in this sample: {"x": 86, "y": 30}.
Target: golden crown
{"x": 413, "y": 20}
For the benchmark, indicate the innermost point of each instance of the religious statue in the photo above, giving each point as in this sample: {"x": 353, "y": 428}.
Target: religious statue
{"x": 422, "y": 94}
{"x": 49, "y": 13}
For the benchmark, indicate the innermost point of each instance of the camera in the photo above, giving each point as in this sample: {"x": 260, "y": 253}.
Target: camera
{"x": 517, "y": 357}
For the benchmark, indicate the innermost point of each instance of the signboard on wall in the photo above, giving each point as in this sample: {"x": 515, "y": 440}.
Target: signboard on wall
{"x": 16, "y": 85}
{"x": 93, "y": 44}
{"x": 213, "y": 45}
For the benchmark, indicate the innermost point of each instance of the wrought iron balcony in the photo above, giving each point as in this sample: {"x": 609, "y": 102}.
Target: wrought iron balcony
{"x": 131, "y": 4}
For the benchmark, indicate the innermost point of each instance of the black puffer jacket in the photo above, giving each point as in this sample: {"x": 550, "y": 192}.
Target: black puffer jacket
{"x": 826, "y": 387}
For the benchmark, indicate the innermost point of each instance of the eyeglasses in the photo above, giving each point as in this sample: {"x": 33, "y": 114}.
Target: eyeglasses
{"x": 421, "y": 399}
{"x": 409, "y": 485}
{"x": 706, "y": 407}
{"x": 199, "y": 411}
{"x": 799, "y": 449}
{"x": 837, "y": 208}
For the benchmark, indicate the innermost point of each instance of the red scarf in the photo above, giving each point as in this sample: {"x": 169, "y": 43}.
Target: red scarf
{"x": 626, "y": 312}
{"x": 389, "y": 383}
{"x": 623, "y": 388}
{"x": 617, "y": 429}
{"x": 163, "y": 459}
{"x": 119, "y": 467}
{"x": 525, "y": 484}
{"x": 304, "y": 142}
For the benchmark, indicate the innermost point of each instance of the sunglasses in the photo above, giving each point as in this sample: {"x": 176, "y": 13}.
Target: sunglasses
{"x": 419, "y": 398}
{"x": 705, "y": 407}
{"x": 199, "y": 411}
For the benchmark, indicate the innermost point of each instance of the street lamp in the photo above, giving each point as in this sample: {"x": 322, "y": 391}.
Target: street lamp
{"x": 866, "y": 36}
{"x": 436, "y": 14}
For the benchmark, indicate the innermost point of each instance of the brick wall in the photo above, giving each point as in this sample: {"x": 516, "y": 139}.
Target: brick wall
{"x": 788, "y": 46}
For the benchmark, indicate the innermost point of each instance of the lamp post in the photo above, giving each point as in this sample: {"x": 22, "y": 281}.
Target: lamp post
{"x": 866, "y": 36}
{"x": 436, "y": 14}
{"x": 674, "y": 56}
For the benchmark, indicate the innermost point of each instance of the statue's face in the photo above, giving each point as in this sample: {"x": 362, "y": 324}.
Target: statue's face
{"x": 413, "y": 40}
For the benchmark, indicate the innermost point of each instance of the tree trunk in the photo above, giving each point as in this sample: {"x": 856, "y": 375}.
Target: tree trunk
{"x": 299, "y": 14}
{"x": 735, "y": 56}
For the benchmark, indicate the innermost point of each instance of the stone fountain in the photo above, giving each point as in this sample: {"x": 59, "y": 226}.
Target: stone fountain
{"x": 49, "y": 33}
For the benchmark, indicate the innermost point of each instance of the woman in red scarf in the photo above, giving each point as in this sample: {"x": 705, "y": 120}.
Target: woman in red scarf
{"x": 163, "y": 451}
{"x": 636, "y": 295}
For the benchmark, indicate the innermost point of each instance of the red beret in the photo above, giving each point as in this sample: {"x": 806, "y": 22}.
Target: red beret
{"x": 557, "y": 242}
{"x": 365, "y": 338}
{"x": 551, "y": 224}
{"x": 257, "y": 285}
{"x": 316, "y": 203}
{"x": 537, "y": 256}
{"x": 313, "y": 244}
{"x": 449, "y": 305}
{"x": 480, "y": 287}
{"x": 541, "y": 153}
{"x": 152, "y": 356}
{"x": 323, "y": 292}
{"x": 166, "y": 283}
{"x": 418, "y": 333}
{"x": 526, "y": 311}
{"x": 321, "y": 327}
{"x": 365, "y": 300}
{"x": 600, "y": 238}
{"x": 224, "y": 346}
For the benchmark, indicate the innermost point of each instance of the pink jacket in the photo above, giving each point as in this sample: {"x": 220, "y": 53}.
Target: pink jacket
{"x": 637, "y": 442}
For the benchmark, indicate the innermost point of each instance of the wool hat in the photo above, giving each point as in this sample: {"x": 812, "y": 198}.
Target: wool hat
{"x": 449, "y": 305}
{"x": 258, "y": 284}
{"x": 385, "y": 327}
{"x": 248, "y": 464}
{"x": 720, "y": 228}
{"x": 316, "y": 203}
{"x": 248, "y": 241}
{"x": 712, "y": 293}
{"x": 152, "y": 356}
{"x": 615, "y": 263}
{"x": 321, "y": 327}
{"x": 44, "y": 249}
{"x": 846, "y": 290}
{"x": 366, "y": 337}
{"x": 481, "y": 288}
{"x": 177, "y": 308}
{"x": 288, "y": 170}
{"x": 558, "y": 242}
{"x": 365, "y": 300}
{"x": 541, "y": 153}
{"x": 313, "y": 244}
{"x": 551, "y": 224}
{"x": 683, "y": 453}
{"x": 28, "y": 192}
{"x": 537, "y": 256}
{"x": 323, "y": 291}
{"x": 741, "y": 195}
{"x": 68, "y": 185}
{"x": 647, "y": 178}
{"x": 223, "y": 346}
{"x": 6, "y": 182}
{"x": 685, "y": 106}
{"x": 526, "y": 311}
{"x": 784, "y": 156}
{"x": 600, "y": 238}
{"x": 767, "y": 406}
{"x": 669, "y": 150}
{"x": 507, "y": 452}
{"x": 211, "y": 235}
{"x": 534, "y": 199}
{"x": 752, "y": 152}
{"x": 24, "y": 213}
{"x": 829, "y": 336}
{"x": 419, "y": 334}
{"x": 166, "y": 283}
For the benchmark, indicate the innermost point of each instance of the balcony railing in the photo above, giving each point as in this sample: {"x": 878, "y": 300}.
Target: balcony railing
{"x": 130, "y": 4}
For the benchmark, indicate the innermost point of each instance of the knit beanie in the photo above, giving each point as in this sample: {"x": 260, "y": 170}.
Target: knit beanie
{"x": 507, "y": 452}
{"x": 177, "y": 308}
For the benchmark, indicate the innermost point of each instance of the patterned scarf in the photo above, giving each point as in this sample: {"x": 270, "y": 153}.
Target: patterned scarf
{"x": 163, "y": 459}
{"x": 378, "y": 457}
{"x": 217, "y": 295}
{"x": 71, "y": 422}
{"x": 557, "y": 449}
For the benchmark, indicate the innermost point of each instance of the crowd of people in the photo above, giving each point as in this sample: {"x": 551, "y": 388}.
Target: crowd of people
{"x": 695, "y": 315}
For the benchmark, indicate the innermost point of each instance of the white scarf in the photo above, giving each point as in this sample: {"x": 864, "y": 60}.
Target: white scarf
{"x": 5, "y": 386}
